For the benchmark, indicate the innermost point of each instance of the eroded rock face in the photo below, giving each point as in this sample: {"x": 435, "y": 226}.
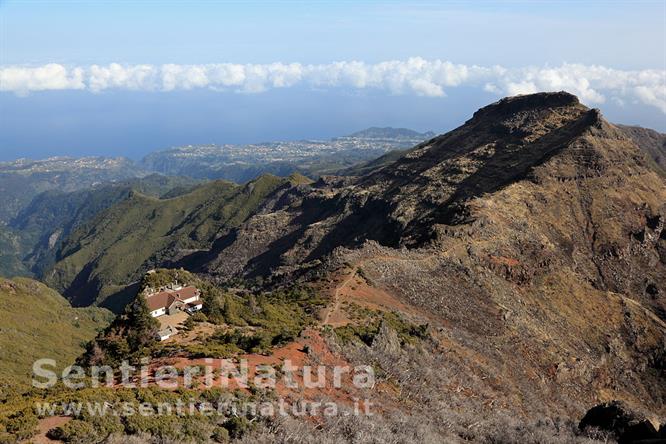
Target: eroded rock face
{"x": 531, "y": 237}
{"x": 545, "y": 181}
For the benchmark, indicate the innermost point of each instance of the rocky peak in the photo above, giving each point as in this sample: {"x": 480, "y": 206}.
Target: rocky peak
{"x": 530, "y": 102}
{"x": 526, "y": 118}
{"x": 506, "y": 140}
{"x": 539, "y": 138}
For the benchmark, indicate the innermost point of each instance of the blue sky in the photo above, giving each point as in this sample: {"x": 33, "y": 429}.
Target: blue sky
{"x": 623, "y": 34}
{"x": 130, "y": 77}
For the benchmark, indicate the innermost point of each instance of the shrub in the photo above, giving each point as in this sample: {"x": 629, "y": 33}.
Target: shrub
{"x": 188, "y": 324}
{"x": 221, "y": 435}
{"x": 199, "y": 317}
{"x": 278, "y": 317}
{"x": 369, "y": 328}
{"x": 75, "y": 431}
{"x": 22, "y": 425}
{"x": 237, "y": 426}
{"x": 128, "y": 336}
{"x": 104, "y": 425}
{"x": 210, "y": 349}
{"x": 162, "y": 426}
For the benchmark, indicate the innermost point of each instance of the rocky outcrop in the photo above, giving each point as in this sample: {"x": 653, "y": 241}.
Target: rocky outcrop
{"x": 586, "y": 188}
{"x": 531, "y": 238}
{"x": 626, "y": 425}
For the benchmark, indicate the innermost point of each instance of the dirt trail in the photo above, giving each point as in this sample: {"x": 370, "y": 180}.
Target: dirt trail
{"x": 336, "y": 297}
{"x": 45, "y": 425}
{"x": 374, "y": 294}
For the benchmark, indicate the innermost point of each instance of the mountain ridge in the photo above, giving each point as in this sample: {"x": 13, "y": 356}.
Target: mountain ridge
{"x": 405, "y": 187}
{"x": 140, "y": 232}
{"x": 523, "y": 254}
{"x": 653, "y": 142}
{"x": 411, "y": 201}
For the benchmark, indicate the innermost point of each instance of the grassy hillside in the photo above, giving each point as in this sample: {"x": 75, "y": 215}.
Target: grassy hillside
{"x": 142, "y": 232}
{"x": 29, "y": 241}
{"x": 53, "y": 215}
{"x": 36, "y": 322}
{"x": 22, "y": 180}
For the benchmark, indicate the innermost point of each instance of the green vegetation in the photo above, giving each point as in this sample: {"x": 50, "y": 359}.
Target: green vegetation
{"x": 19, "y": 419}
{"x": 249, "y": 322}
{"x": 34, "y": 234}
{"x": 371, "y": 322}
{"x": 141, "y": 232}
{"x": 129, "y": 337}
{"x": 12, "y": 249}
{"x": 258, "y": 321}
{"x": 162, "y": 277}
{"x": 299, "y": 179}
{"x": 36, "y": 322}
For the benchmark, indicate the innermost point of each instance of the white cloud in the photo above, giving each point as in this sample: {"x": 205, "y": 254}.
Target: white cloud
{"x": 652, "y": 96}
{"x": 432, "y": 78}
{"x": 136, "y": 77}
{"x": 46, "y": 77}
{"x": 515, "y": 88}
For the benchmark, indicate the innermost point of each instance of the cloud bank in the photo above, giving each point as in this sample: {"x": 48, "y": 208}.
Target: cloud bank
{"x": 432, "y": 78}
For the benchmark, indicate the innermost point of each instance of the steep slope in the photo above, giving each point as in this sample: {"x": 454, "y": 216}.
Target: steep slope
{"x": 530, "y": 241}
{"x": 140, "y": 232}
{"x": 433, "y": 184}
{"x": 35, "y": 323}
{"x": 52, "y": 215}
{"x": 531, "y": 238}
{"x": 22, "y": 180}
{"x": 11, "y": 251}
{"x": 550, "y": 143}
{"x": 651, "y": 141}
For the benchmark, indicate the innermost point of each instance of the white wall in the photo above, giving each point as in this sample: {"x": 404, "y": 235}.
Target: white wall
{"x": 157, "y": 313}
{"x": 192, "y": 299}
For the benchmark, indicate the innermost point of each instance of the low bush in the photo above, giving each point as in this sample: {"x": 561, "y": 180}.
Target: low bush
{"x": 75, "y": 431}
{"x": 261, "y": 321}
{"x": 22, "y": 425}
{"x": 368, "y": 328}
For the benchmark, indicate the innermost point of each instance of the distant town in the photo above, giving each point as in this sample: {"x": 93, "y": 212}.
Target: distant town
{"x": 314, "y": 157}
{"x": 235, "y": 162}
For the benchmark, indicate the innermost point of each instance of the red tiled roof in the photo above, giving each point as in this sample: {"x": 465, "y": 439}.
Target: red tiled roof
{"x": 160, "y": 300}
{"x": 164, "y": 299}
{"x": 186, "y": 293}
